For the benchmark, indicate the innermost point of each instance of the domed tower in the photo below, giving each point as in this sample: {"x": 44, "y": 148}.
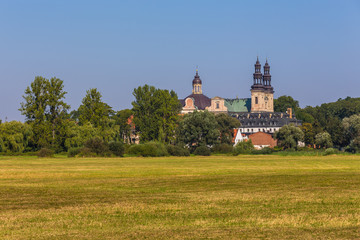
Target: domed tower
{"x": 197, "y": 84}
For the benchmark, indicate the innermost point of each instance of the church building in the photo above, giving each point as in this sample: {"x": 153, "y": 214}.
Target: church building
{"x": 256, "y": 114}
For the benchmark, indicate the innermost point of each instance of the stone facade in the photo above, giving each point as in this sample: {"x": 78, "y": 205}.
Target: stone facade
{"x": 262, "y": 101}
{"x": 217, "y": 105}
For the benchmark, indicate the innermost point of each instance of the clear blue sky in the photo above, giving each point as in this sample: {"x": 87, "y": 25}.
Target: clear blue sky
{"x": 313, "y": 48}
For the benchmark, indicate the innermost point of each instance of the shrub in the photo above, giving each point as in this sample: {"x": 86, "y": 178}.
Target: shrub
{"x": 86, "y": 152}
{"x": 177, "y": 151}
{"x": 72, "y": 152}
{"x": 202, "y": 151}
{"x": 222, "y": 148}
{"x": 117, "y": 148}
{"x": 45, "y": 152}
{"x": 244, "y": 147}
{"x": 330, "y": 151}
{"x": 150, "y": 149}
{"x": 97, "y": 146}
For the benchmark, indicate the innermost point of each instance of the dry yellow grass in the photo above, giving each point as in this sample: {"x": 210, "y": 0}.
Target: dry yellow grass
{"x": 218, "y": 197}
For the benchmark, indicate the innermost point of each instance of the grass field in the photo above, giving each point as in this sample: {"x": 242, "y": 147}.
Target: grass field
{"x": 218, "y": 197}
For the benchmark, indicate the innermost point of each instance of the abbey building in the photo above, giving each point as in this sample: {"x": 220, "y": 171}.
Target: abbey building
{"x": 256, "y": 114}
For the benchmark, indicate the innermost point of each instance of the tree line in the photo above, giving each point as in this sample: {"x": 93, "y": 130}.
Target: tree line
{"x": 95, "y": 125}
{"x": 95, "y": 128}
{"x": 335, "y": 124}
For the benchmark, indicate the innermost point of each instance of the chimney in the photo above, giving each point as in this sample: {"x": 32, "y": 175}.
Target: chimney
{"x": 289, "y": 111}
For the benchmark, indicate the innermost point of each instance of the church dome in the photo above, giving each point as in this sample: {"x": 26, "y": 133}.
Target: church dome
{"x": 197, "y": 79}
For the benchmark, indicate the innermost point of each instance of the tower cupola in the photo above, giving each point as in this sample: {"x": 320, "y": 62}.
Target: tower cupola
{"x": 197, "y": 84}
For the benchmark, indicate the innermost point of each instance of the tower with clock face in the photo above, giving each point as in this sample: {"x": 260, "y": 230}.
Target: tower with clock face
{"x": 262, "y": 93}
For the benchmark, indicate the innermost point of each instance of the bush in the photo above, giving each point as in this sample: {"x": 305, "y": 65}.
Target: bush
{"x": 178, "y": 151}
{"x": 150, "y": 149}
{"x": 222, "y": 148}
{"x": 72, "y": 152}
{"x": 45, "y": 152}
{"x": 265, "y": 150}
{"x": 86, "y": 152}
{"x": 202, "y": 151}
{"x": 330, "y": 151}
{"x": 117, "y": 148}
{"x": 97, "y": 146}
{"x": 244, "y": 147}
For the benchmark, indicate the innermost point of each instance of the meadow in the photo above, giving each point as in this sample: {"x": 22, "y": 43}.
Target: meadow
{"x": 217, "y": 197}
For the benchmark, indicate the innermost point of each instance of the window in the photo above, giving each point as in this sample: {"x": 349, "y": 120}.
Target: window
{"x": 217, "y": 105}
{"x": 256, "y": 100}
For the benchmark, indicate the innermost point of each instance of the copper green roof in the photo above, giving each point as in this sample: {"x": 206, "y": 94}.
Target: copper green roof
{"x": 238, "y": 104}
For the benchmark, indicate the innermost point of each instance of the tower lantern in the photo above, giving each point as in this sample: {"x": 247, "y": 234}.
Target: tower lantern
{"x": 267, "y": 76}
{"x": 197, "y": 84}
{"x": 257, "y": 75}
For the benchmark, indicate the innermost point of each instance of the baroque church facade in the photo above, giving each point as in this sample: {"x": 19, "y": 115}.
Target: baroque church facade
{"x": 256, "y": 114}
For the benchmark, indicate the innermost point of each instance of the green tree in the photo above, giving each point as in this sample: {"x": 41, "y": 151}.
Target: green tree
{"x": 226, "y": 125}
{"x": 243, "y": 147}
{"x": 77, "y": 135}
{"x": 352, "y": 126}
{"x": 122, "y": 120}
{"x": 309, "y": 134}
{"x": 282, "y": 103}
{"x": 289, "y": 136}
{"x": 323, "y": 140}
{"x": 155, "y": 113}
{"x": 45, "y": 110}
{"x": 93, "y": 110}
{"x": 198, "y": 129}
{"x": 14, "y": 136}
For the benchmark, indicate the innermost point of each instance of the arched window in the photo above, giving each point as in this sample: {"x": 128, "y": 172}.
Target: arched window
{"x": 256, "y": 100}
{"x": 217, "y": 105}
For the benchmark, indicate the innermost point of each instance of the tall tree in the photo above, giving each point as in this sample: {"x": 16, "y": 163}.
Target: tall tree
{"x": 226, "y": 125}
{"x": 122, "y": 120}
{"x": 44, "y": 109}
{"x": 155, "y": 113}
{"x": 198, "y": 128}
{"x": 309, "y": 134}
{"x": 56, "y": 105}
{"x": 93, "y": 110}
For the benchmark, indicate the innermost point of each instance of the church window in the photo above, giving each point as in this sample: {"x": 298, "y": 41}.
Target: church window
{"x": 217, "y": 105}
{"x": 256, "y": 100}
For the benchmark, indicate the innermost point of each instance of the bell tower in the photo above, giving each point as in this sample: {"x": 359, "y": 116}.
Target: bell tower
{"x": 261, "y": 91}
{"x": 197, "y": 84}
{"x": 269, "y": 90}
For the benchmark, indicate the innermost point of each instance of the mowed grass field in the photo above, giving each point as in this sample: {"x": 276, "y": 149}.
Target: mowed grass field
{"x": 217, "y": 197}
